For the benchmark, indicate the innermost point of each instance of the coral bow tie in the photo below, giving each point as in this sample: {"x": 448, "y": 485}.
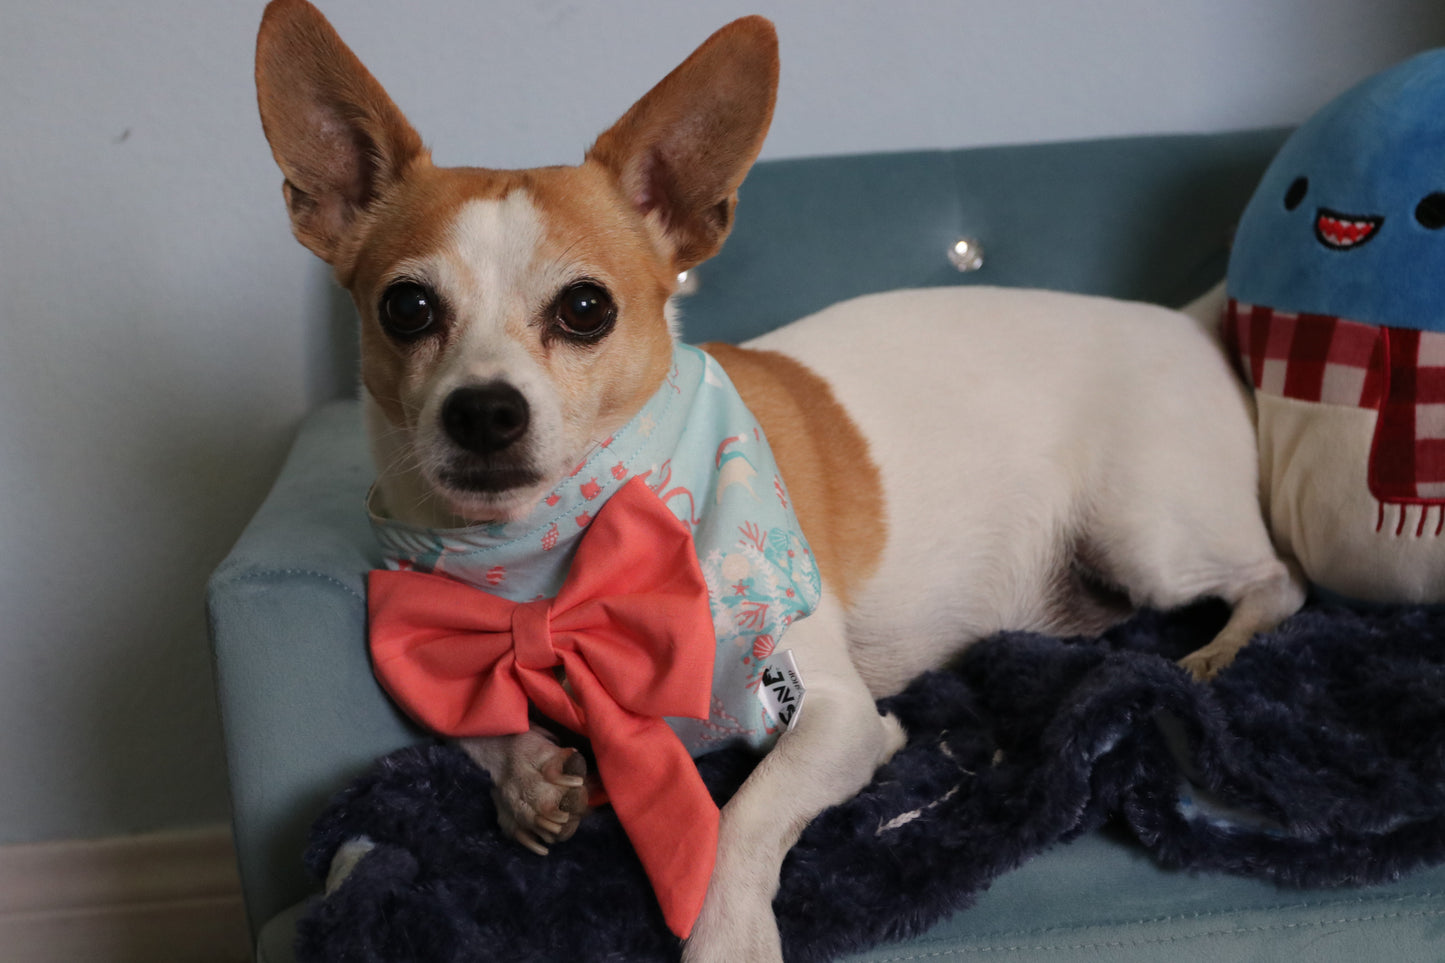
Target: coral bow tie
{"x": 631, "y": 631}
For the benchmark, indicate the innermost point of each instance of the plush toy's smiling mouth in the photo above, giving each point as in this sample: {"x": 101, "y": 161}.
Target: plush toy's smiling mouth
{"x": 1342, "y": 231}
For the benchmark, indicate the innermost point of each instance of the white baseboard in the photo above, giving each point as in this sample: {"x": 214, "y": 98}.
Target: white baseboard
{"x": 170, "y": 897}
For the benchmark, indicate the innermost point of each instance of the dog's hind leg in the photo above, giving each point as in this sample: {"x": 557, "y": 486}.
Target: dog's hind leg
{"x": 1179, "y": 520}
{"x": 1229, "y": 556}
{"x": 1259, "y": 606}
{"x": 832, "y": 751}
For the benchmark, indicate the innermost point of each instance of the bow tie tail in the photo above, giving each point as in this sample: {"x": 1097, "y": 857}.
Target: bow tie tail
{"x": 663, "y": 805}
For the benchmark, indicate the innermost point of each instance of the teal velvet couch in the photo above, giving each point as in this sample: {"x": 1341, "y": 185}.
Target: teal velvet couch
{"x": 1146, "y": 218}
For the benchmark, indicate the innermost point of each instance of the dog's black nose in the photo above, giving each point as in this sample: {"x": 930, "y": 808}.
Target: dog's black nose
{"x": 485, "y": 418}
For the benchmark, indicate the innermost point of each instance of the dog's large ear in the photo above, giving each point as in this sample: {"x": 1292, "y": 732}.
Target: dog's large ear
{"x": 682, "y": 150}
{"x": 338, "y": 138}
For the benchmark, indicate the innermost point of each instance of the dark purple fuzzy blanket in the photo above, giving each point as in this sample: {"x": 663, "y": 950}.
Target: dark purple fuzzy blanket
{"x": 1315, "y": 760}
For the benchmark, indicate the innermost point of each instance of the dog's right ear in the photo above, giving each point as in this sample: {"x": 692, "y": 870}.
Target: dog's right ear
{"x": 337, "y": 136}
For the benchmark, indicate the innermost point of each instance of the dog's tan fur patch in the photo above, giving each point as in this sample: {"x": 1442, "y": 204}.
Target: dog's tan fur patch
{"x": 835, "y": 486}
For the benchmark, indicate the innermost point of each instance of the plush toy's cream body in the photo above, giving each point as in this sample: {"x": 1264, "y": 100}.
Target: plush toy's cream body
{"x": 1315, "y": 459}
{"x": 961, "y": 461}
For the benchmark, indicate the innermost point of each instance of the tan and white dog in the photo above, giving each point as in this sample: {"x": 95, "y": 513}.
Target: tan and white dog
{"x": 962, "y": 461}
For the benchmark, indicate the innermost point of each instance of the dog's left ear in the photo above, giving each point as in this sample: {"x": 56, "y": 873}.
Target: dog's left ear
{"x": 682, "y": 150}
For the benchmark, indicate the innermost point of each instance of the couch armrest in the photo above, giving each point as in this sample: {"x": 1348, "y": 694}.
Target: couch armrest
{"x": 301, "y": 711}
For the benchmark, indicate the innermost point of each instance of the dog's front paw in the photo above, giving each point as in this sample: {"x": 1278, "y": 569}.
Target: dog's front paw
{"x": 539, "y": 787}
{"x": 542, "y": 799}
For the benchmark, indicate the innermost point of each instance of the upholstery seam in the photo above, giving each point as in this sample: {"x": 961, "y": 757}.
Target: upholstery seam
{"x": 274, "y": 572}
{"x": 1159, "y": 941}
{"x": 1209, "y": 914}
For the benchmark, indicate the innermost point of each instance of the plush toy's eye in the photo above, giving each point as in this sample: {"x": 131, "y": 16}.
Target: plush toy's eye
{"x": 408, "y": 310}
{"x": 1430, "y": 212}
{"x": 585, "y": 311}
{"x": 1296, "y": 193}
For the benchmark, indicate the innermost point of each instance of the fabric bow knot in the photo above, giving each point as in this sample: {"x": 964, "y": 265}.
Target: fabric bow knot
{"x": 631, "y": 633}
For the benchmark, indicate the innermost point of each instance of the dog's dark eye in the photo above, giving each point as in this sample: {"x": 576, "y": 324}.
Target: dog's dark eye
{"x": 1430, "y": 212}
{"x": 585, "y": 311}
{"x": 1296, "y": 193}
{"x": 408, "y": 310}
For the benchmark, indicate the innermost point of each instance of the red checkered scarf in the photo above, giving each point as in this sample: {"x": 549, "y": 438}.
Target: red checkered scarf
{"x": 1399, "y": 372}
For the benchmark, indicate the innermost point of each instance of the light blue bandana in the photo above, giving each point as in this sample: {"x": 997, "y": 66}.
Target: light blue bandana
{"x": 700, "y": 450}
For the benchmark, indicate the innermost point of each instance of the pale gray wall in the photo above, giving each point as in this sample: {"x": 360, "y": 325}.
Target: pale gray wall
{"x": 160, "y": 333}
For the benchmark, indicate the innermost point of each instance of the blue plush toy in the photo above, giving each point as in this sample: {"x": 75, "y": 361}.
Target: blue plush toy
{"x": 1337, "y": 313}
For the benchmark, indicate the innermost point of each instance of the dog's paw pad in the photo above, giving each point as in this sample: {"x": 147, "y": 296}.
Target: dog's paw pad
{"x": 568, "y": 770}
{"x": 542, "y": 796}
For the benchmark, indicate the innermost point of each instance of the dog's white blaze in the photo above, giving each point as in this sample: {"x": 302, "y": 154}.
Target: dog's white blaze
{"x": 487, "y": 274}
{"x": 490, "y": 276}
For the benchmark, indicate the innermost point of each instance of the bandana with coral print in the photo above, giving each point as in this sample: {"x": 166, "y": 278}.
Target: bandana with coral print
{"x": 702, "y": 453}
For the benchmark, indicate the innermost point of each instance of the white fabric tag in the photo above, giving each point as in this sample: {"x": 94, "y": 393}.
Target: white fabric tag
{"x": 781, "y": 690}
